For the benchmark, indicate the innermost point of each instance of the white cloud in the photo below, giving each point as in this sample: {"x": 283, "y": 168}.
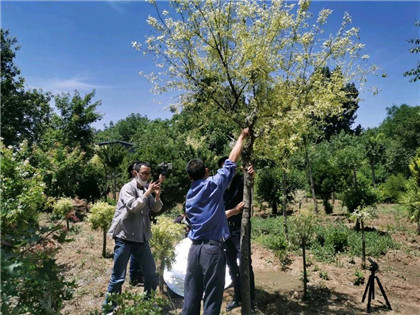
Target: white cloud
{"x": 59, "y": 85}
{"x": 116, "y": 5}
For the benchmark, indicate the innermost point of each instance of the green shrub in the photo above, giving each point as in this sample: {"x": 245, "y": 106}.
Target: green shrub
{"x": 100, "y": 217}
{"x": 393, "y": 189}
{"x": 22, "y": 194}
{"x": 166, "y": 233}
{"x": 331, "y": 240}
{"x": 361, "y": 196}
{"x": 337, "y": 239}
{"x": 377, "y": 243}
{"x": 132, "y": 303}
{"x": 63, "y": 207}
{"x": 360, "y": 277}
{"x": 31, "y": 281}
{"x": 266, "y": 226}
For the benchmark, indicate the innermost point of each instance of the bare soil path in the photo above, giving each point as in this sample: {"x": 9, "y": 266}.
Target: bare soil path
{"x": 277, "y": 291}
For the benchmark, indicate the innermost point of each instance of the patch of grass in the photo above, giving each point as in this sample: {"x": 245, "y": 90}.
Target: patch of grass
{"x": 377, "y": 243}
{"x": 130, "y": 303}
{"x": 360, "y": 277}
{"x": 329, "y": 240}
{"x": 324, "y": 275}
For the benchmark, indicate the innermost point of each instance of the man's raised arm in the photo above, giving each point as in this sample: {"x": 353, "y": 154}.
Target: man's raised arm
{"x": 237, "y": 149}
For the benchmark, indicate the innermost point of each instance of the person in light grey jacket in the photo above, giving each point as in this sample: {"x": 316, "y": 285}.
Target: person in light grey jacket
{"x": 131, "y": 230}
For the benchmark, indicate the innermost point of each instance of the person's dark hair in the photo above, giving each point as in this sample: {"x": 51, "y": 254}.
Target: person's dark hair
{"x": 196, "y": 169}
{"x": 136, "y": 166}
{"x": 222, "y": 161}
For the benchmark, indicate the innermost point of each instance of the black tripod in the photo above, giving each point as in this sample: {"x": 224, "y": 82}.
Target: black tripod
{"x": 371, "y": 286}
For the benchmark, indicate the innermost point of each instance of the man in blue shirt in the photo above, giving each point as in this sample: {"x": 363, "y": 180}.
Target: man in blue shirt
{"x": 205, "y": 209}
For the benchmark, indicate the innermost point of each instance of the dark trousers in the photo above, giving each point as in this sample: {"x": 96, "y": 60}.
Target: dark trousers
{"x": 233, "y": 254}
{"x": 136, "y": 274}
{"x": 142, "y": 253}
{"x": 206, "y": 269}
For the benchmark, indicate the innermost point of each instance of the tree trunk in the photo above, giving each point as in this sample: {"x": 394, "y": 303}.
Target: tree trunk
{"x": 372, "y": 167}
{"x": 114, "y": 186}
{"x": 363, "y": 244}
{"x": 311, "y": 179}
{"x": 418, "y": 227}
{"x": 274, "y": 208}
{"x": 284, "y": 203}
{"x": 104, "y": 244}
{"x": 161, "y": 270}
{"x": 246, "y": 231}
{"x": 305, "y": 278}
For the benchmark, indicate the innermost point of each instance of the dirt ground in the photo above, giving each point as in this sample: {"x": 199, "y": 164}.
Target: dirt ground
{"x": 277, "y": 291}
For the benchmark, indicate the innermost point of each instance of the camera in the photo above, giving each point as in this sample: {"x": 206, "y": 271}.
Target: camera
{"x": 165, "y": 167}
{"x": 373, "y": 265}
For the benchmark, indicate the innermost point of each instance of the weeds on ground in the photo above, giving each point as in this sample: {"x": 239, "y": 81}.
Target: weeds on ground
{"x": 330, "y": 240}
{"x": 129, "y": 303}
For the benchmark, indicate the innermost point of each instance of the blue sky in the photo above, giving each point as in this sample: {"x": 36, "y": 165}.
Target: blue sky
{"x": 81, "y": 45}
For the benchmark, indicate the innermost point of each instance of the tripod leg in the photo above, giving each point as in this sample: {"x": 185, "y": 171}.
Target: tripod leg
{"x": 366, "y": 289}
{"x": 383, "y": 293}
{"x": 373, "y": 287}
{"x": 371, "y": 291}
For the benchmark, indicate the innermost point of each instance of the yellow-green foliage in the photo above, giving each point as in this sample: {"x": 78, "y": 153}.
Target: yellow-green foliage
{"x": 63, "y": 207}
{"x": 101, "y": 215}
{"x": 415, "y": 168}
{"x": 303, "y": 227}
{"x": 166, "y": 234}
{"x": 412, "y": 197}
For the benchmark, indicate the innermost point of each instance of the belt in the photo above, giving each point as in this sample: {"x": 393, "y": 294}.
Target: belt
{"x": 210, "y": 242}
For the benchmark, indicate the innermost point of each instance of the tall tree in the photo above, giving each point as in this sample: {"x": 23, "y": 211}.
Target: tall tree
{"x": 72, "y": 126}
{"x": 415, "y": 72}
{"x": 258, "y": 63}
{"x": 402, "y": 129}
{"x": 24, "y": 114}
{"x": 375, "y": 149}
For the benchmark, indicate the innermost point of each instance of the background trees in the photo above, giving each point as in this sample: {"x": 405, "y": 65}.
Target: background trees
{"x": 24, "y": 113}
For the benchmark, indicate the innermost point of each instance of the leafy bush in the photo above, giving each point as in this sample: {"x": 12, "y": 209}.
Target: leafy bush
{"x": 30, "y": 278}
{"x": 131, "y": 303}
{"x": 337, "y": 239}
{"x": 60, "y": 167}
{"x": 22, "y": 194}
{"x": 100, "y": 217}
{"x": 331, "y": 240}
{"x": 360, "y": 278}
{"x": 266, "y": 226}
{"x": 166, "y": 233}
{"x": 393, "y": 189}
{"x": 63, "y": 209}
{"x": 361, "y": 196}
{"x": 377, "y": 243}
{"x": 31, "y": 283}
{"x": 412, "y": 197}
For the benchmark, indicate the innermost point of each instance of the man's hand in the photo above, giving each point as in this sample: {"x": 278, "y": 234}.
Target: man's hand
{"x": 250, "y": 170}
{"x": 245, "y": 132}
{"x": 154, "y": 187}
{"x": 161, "y": 178}
{"x": 235, "y": 210}
{"x": 236, "y": 150}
